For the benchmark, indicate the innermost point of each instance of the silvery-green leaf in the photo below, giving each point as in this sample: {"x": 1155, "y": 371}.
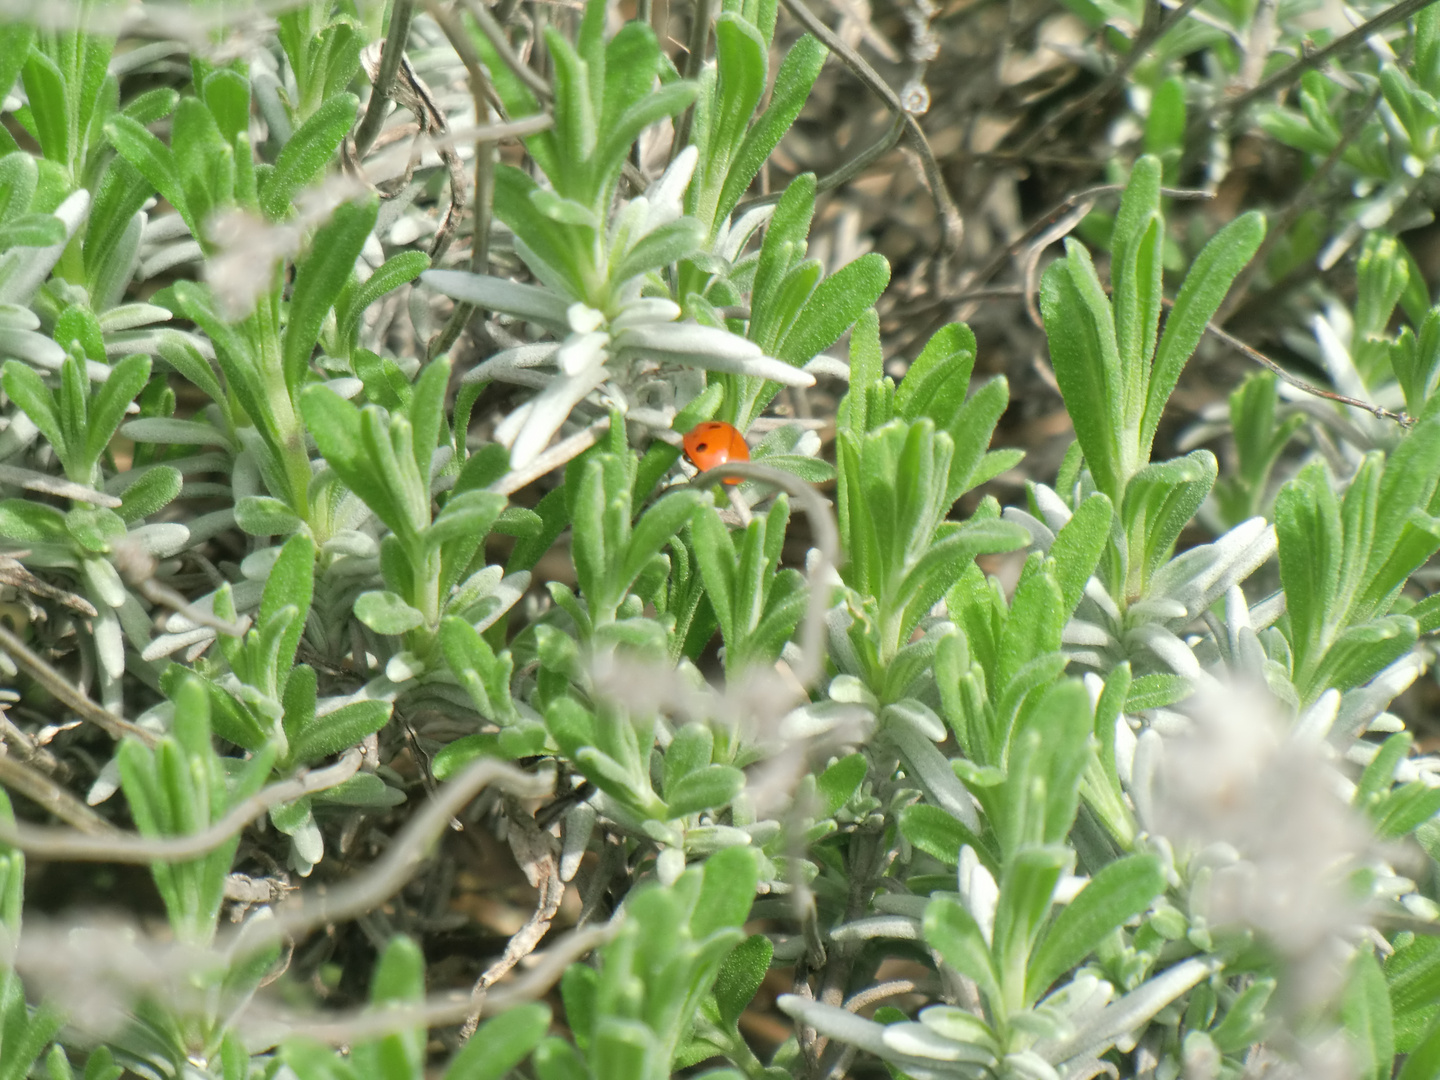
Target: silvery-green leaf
{"x": 109, "y": 643}
{"x": 131, "y": 316}
{"x": 245, "y": 594}
{"x": 529, "y": 302}
{"x": 708, "y": 839}
{"x": 208, "y": 526}
{"x": 24, "y": 270}
{"x": 168, "y": 644}
{"x": 958, "y": 1025}
{"x": 346, "y": 386}
{"x": 1129, "y": 1012}
{"x": 353, "y": 543}
{"x": 18, "y": 317}
{"x": 1167, "y": 647}
{"x": 516, "y": 366}
{"x": 1145, "y": 765}
{"x": 387, "y": 613}
{"x": 710, "y": 348}
{"x": 920, "y": 1040}
{"x": 404, "y": 666}
{"x": 163, "y": 539}
{"x": 730, "y": 239}
{"x": 1158, "y": 609}
{"x": 1052, "y": 508}
{"x": 528, "y": 430}
{"x": 580, "y": 352}
{"x": 1268, "y": 611}
{"x": 920, "y": 716}
{"x": 106, "y": 783}
{"x": 978, "y": 891}
{"x": 820, "y": 718}
{"x": 828, "y": 365}
{"x": 1361, "y": 705}
{"x": 907, "y": 904}
{"x": 931, "y": 769}
{"x": 1028, "y": 1065}
{"x": 837, "y": 1023}
{"x": 1095, "y": 593}
{"x": 644, "y": 311}
{"x": 1125, "y": 744}
{"x": 103, "y": 582}
{"x": 166, "y": 429}
{"x": 665, "y": 197}
{"x": 29, "y": 346}
{"x": 502, "y": 598}
{"x": 1080, "y": 632}
{"x": 575, "y": 839}
{"x": 898, "y": 927}
{"x": 168, "y": 257}
{"x": 1040, "y": 535}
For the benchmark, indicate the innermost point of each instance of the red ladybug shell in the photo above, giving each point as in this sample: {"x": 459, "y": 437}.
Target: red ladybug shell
{"x": 715, "y": 443}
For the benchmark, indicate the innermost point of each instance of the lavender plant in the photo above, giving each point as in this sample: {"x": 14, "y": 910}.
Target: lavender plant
{"x": 327, "y": 555}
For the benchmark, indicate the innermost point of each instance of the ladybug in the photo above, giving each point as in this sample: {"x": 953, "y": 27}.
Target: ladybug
{"x": 715, "y": 443}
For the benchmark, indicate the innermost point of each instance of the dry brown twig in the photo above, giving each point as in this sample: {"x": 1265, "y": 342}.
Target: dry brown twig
{"x": 70, "y": 696}
{"x": 63, "y": 845}
{"x": 535, "y": 852}
{"x": 951, "y": 223}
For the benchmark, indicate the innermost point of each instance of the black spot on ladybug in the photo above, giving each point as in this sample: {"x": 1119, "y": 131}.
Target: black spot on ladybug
{"x": 701, "y": 448}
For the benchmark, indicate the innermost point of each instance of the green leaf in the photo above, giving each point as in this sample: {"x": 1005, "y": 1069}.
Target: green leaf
{"x": 26, "y": 389}
{"x": 127, "y": 378}
{"x": 31, "y": 230}
{"x": 1423, "y": 1062}
{"x": 936, "y": 833}
{"x": 1365, "y": 1010}
{"x": 320, "y": 278}
{"x": 260, "y": 515}
{"x": 1116, "y": 894}
{"x": 395, "y": 271}
{"x": 952, "y": 931}
{"x": 1086, "y": 359}
{"x": 1078, "y": 546}
{"x": 46, "y": 91}
{"x": 740, "y": 977}
{"x": 154, "y": 489}
{"x": 386, "y": 613}
{"x": 833, "y": 308}
{"x": 291, "y": 584}
{"x": 838, "y": 784}
{"x": 704, "y": 789}
{"x": 501, "y": 1044}
{"x": 151, "y": 159}
{"x": 1206, "y": 284}
{"x": 728, "y": 890}
{"x": 797, "y": 74}
{"x": 339, "y": 730}
{"x": 227, "y": 93}
{"x": 305, "y": 156}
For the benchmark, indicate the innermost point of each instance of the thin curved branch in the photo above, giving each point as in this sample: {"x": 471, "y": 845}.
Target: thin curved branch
{"x": 501, "y": 44}
{"x": 1341, "y": 45}
{"x": 1150, "y": 33}
{"x": 391, "y": 53}
{"x": 45, "y": 792}
{"x": 65, "y": 845}
{"x": 69, "y": 696}
{"x": 950, "y": 220}
{"x": 1401, "y": 418}
{"x": 311, "y": 908}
